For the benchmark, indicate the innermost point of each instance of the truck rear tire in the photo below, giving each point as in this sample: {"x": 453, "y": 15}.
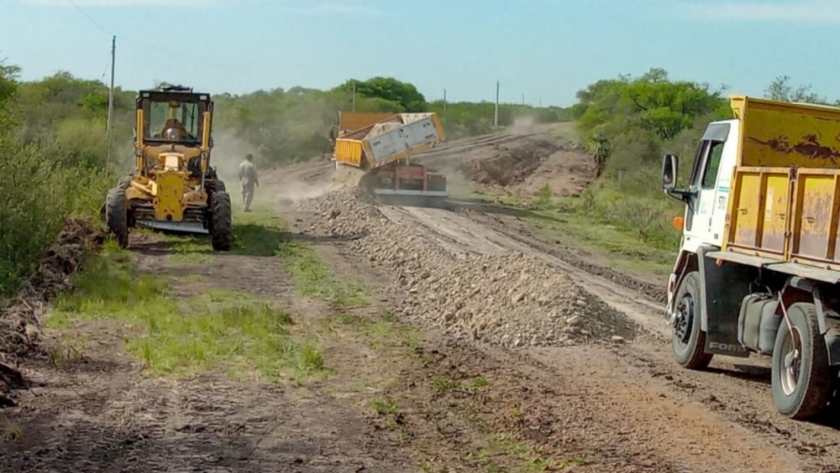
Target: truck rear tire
{"x": 116, "y": 215}
{"x": 802, "y": 385}
{"x": 221, "y": 224}
{"x": 689, "y": 340}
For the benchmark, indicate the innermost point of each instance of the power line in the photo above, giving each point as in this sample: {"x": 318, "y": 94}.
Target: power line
{"x": 90, "y": 18}
{"x": 144, "y": 43}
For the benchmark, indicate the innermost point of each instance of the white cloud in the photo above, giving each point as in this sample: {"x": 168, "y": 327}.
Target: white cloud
{"x": 792, "y": 11}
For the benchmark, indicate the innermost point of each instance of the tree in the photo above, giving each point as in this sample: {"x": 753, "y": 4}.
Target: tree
{"x": 8, "y": 88}
{"x": 781, "y": 90}
{"x": 404, "y": 94}
{"x": 651, "y": 102}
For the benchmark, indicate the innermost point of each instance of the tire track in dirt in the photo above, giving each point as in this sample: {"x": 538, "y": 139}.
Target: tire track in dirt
{"x": 744, "y": 400}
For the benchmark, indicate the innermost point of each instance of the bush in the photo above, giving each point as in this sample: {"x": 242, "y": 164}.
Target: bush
{"x": 37, "y": 193}
{"x": 46, "y": 177}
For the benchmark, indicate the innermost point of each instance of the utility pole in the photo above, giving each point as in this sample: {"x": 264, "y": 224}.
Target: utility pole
{"x": 496, "y": 115}
{"x": 110, "y": 102}
{"x": 354, "y": 96}
{"x": 523, "y": 99}
{"x": 444, "y": 102}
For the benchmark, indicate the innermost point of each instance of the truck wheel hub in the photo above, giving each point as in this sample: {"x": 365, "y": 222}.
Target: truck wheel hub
{"x": 685, "y": 316}
{"x": 791, "y": 361}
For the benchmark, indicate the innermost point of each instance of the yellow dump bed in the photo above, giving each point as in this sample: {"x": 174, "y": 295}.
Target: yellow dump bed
{"x": 352, "y": 121}
{"x": 388, "y": 139}
{"x": 785, "y": 199}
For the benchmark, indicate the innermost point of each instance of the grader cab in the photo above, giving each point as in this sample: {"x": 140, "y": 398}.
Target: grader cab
{"x": 172, "y": 186}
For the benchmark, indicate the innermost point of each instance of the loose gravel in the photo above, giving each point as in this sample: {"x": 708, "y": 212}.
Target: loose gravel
{"x": 508, "y": 299}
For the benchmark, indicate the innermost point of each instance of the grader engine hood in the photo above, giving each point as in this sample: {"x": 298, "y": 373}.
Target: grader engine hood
{"x": 171, "y": 195}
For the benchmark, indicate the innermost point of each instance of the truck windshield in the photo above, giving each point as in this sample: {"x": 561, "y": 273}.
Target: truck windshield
{"x": 173, "y": 121}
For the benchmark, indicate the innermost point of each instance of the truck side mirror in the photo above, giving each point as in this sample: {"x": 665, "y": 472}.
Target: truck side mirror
{"x": 670, "y": 167}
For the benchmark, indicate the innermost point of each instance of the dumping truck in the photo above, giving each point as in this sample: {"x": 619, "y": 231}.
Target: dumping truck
{"x": 758, "y": 268}
{"x": 172, "y": 186}
{"x": 381, "y": 144}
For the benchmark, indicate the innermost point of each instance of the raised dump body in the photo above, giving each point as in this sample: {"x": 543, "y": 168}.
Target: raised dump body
{"x": 389, "y": 139}
{"x": 785, "y": 199}
{"x": 352, "y": 121}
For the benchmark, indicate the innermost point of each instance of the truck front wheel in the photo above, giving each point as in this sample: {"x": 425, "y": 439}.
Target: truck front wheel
{"x": 801, "y": 374}
{"x": 689, "y": 340}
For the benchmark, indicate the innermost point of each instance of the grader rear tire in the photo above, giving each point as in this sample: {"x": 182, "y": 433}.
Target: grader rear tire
{"x": 116, "y": 215}
{"x": 221, "y": 228}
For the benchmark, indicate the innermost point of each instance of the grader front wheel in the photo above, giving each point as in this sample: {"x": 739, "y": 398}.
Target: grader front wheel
{"x": 221, "y": 224}
{"x": 116, "y": 215}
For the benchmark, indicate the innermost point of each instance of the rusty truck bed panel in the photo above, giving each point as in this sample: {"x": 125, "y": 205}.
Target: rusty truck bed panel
{"x": 759, "y": 208}
{"x": 778, "y": 134}
{"x": 785, "y": 202}
{"x": 352, "y": 121}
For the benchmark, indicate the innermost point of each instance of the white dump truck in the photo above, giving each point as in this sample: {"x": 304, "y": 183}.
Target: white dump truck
{"x": 758, "y": 266}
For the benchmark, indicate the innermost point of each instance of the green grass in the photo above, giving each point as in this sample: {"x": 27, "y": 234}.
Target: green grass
{"x": 218, "y": 330}
{"x": 189, "y": 250}
{"x": 262, "y": 233}
{"x": 313, "y": 278}
{"x": 258, "y": 233}
{"x": 529, "y": 460}
{"x": 385, "y": 406}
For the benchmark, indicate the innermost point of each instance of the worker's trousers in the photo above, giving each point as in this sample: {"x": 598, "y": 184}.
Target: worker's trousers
{"x": 247, "y": 195}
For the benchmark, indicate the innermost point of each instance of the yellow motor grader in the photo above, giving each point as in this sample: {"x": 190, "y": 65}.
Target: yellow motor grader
{"x": 172, "y": 186}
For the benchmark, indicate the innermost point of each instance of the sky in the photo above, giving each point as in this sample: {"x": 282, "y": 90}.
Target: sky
{"x": 546, "y": 50}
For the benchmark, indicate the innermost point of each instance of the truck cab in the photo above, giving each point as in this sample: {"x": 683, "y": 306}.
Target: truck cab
{"x": 758, "y": 268}
{"x": 708, "y": 195}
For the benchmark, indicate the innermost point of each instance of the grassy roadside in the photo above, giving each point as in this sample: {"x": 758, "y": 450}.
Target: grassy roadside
{"x": 263, "y": 233}
{"x": 217, "y": 330}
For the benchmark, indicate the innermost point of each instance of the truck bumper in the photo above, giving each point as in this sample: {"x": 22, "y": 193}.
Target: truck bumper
{"x": 670, "y": 313}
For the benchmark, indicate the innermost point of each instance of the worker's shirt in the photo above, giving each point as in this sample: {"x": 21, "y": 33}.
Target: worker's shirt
{"x": 248, "y": 173}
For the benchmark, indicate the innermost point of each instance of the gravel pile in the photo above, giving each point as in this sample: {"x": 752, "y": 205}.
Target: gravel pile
{"x": 506, "y": 299}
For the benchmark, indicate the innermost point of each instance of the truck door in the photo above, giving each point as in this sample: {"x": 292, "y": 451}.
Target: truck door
{"x": 709, "y": 198}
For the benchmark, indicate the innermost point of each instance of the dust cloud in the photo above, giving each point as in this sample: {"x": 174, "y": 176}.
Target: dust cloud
{"x": 523, "y": 124}
{"x": 297, "y": 182}
{"x": 228, "y": 152}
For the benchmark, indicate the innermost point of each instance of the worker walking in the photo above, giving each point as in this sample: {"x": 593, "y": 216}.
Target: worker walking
{"x": 248, "y": 177}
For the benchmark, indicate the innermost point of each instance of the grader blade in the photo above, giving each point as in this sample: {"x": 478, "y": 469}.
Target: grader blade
{"x": 174, "y": 227}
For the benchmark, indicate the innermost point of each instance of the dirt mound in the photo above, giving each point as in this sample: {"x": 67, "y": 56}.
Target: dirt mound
{"x": 511, "y": 164}
{"x": 515, "y": 164}
{"x": 20, "y": 334}
{"x": 505, "y": 299}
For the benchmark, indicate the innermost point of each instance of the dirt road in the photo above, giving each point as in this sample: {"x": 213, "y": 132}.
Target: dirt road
{"x": 632, "y": 396}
